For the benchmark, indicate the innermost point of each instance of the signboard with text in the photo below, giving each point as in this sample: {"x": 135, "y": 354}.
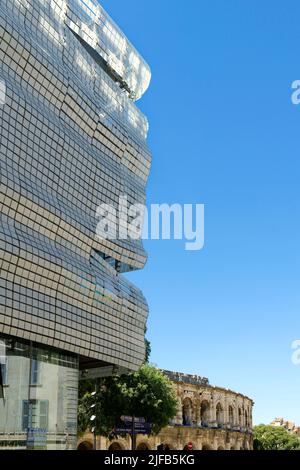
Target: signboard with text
{"x": 131, "y": 424}
{"x": 36, "y": 438}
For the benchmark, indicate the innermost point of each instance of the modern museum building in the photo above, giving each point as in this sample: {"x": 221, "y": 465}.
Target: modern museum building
{"x": 72, "y": 139}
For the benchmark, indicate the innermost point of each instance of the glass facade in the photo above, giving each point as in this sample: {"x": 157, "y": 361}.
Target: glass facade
{"x": 38, "y": 396}
{"x": 71, "y": 139}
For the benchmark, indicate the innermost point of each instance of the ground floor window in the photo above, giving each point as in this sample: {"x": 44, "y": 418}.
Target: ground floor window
{"x": 38, "y": 396}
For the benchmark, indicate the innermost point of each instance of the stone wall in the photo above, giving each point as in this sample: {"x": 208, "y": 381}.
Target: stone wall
{"x": 212, "y": 418}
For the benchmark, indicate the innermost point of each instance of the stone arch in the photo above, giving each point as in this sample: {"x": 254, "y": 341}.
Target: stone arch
{"x": 186, "y": 447}
{"x": 116, "y": 446}
{"x": 232, "y": 448}
{"x": 230, "y": 415}
{"x": 204, "y": 413}
{"x": 206, "y": 447}
{"x": 220, "y": 448}
{"x": 85, "y": 445}
{"x": 168, "y": 447}
{"x": 219, "y": 414}
{"x": 187, "y": 412}
{"x": 143, "y": 446}
{"x": 240, "y": 416}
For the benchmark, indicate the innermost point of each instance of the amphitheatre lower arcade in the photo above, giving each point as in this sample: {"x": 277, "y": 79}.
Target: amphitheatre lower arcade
{"x": 209, "y": 417}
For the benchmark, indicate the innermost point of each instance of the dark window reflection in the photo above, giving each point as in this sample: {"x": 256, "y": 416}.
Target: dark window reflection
{"x": 38, "y": 399}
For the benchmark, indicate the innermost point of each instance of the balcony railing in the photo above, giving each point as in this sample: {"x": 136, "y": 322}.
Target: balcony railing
{"x": 215, "y": 425}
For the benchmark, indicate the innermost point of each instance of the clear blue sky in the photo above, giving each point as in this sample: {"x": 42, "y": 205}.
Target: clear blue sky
{"x": 223, "y": 132}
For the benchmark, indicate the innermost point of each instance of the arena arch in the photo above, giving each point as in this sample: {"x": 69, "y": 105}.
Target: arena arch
{"x": 85, "y": 445}
{"x": 220, "y": 448}
{"x": 167, "y": 447}
{"x": 187, "y": 412}
{"x": 186, "y": 447}
{"x": 116, "y": 446}
{"x": 230, "y": 415}
{"x": 240, "y": 414}
{"x": 219, "y": 414}
{"x": 206, "y": 447}
{"x": 143, "y": 446}
{"x": 204, "y": 413}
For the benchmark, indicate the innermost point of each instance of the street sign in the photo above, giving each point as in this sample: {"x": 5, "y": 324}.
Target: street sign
{"x": 128, "y": 419}
{"x": 139, "y": 428}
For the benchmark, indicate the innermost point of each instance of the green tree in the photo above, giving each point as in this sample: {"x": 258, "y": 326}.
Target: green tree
{"x": 147, "y": 393}
{"x": 147, "y": 348}
{"x": 274, "y": 438}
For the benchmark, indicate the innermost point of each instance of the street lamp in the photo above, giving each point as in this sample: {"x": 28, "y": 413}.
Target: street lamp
{"x": 93, "y": 420}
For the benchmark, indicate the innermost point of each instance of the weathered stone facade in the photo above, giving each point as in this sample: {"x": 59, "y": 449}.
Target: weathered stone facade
{"x": 212, "y": 418}
{"x": 288, "y": 425}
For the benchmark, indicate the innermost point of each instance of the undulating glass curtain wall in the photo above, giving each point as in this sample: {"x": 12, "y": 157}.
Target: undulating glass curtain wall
{"x": 71, "y": 138}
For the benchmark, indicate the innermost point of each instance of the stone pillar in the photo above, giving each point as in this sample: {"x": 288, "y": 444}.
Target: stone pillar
{"x": 102, "y": 443}
{"x": 194, "y": 417}
{"x": 225, "y": 412}
{"x": 179, "y": 413}
{"x": 198, "y": 413}
{"x": 213, "y": 420}
{"x": 236, "y": 414}
{"x": 243, "y": 415}
{"x": 228, "y": 445}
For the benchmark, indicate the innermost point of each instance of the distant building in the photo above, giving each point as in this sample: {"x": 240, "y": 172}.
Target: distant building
{"x": 211, "y": 418}
{"x": 288, "y": 425}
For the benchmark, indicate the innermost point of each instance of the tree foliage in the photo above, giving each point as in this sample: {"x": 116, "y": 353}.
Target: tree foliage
{"x": 274, "y": 438}
{"x": 147, "y": 393}
{"x": 147, "y": 348}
